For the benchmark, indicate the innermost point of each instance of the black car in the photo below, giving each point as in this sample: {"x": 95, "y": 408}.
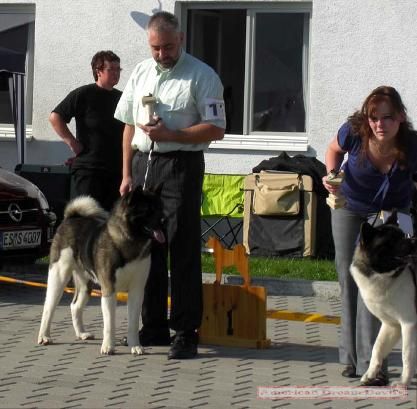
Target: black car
{"x": 26, "y": 222}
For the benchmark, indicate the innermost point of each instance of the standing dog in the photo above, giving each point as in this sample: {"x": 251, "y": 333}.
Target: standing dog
{"x": 384, "y": 268}
{"x": 112, "y": 250}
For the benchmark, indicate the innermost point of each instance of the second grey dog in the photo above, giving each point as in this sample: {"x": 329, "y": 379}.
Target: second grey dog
{"x": 112, "y": 250}
{"x": 384, "y": 267}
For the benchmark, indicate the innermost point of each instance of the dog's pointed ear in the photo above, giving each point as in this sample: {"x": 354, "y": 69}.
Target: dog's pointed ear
{"x": 407, "y": 248}
{"x": 366, "y": 233}
{"x": 413, "y": 244}
{"x": 392, "y": 219}
{"x": 135, "y": 193}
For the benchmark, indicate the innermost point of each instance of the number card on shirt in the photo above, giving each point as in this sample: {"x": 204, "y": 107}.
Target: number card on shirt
{"x": 214, "y": 109}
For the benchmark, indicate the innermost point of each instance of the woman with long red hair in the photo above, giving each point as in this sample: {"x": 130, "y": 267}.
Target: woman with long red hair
{"x": 378, "y": 175}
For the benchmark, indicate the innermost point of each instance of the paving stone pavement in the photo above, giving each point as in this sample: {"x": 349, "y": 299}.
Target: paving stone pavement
{"x": 73, "y": 374}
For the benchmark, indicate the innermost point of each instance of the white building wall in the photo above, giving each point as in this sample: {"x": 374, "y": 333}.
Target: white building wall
{"x": 355, "y": 46}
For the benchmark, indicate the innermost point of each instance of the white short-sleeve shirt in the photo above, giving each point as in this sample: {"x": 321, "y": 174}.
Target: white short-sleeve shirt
{"x": 187, "y": 94}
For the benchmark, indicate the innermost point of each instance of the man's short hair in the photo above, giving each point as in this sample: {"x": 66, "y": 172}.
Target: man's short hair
{"x": 97, "y": 62}
{"x": 163, "y": 21}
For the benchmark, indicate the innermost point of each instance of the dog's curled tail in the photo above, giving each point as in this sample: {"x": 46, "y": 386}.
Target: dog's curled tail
{"x": 84, "y": 206}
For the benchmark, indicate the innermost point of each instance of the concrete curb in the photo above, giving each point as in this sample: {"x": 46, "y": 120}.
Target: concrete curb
{"x": 305, "y": 288}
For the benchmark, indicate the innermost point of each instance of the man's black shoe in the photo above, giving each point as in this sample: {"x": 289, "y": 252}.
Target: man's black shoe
{"x": 154, "y": 337}
{"x": 184, "y": 346}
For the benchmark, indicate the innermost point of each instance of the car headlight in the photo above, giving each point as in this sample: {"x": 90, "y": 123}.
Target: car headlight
{"x": 50, "y": 215}
{"x": 42, "y": 200}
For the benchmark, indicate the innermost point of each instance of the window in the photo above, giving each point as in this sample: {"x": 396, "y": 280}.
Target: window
{"x": 16, "y": 35}
{"x": 261, "y": 54}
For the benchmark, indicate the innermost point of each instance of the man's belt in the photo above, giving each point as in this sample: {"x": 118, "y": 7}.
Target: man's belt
{"x": 172, "y": 154}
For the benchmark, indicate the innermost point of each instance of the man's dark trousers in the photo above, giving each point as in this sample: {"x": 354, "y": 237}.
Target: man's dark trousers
{"x": 178, "y": 176}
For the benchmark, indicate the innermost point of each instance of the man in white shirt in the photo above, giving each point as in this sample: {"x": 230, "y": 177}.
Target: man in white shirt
{"x": 189, "y": 114}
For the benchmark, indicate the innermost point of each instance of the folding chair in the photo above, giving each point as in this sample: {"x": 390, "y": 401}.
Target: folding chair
{"x": 222, "y": 209}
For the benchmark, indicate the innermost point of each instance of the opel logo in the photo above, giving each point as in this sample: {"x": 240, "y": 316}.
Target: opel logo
{"x": 15, "y": 212}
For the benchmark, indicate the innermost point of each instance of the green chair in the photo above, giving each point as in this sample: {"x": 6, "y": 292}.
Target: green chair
{"x": 222, "y": 208}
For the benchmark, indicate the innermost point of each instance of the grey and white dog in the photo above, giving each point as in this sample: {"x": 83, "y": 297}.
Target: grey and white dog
{"x": 384, "y": 269}
{"x": 112, "y": 250}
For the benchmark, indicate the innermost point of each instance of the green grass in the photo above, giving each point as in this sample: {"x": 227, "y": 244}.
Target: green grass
{"x": 285, "y": 268}
{"x": 273, "y": 267}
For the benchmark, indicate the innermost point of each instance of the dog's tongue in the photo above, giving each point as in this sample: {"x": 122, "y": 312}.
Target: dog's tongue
{"x": 159, "y": 236}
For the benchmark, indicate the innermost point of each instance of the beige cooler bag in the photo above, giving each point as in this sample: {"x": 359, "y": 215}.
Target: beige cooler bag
{"x": 275, "y": 195}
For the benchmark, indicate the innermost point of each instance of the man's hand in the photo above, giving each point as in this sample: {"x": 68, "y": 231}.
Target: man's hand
{"x": 158, "y": 132}
{"x": 125, "y": 186}
{"x": 61, "y": 128}
{"x": 69, "y": 161}
{"x": 199, "y": 133}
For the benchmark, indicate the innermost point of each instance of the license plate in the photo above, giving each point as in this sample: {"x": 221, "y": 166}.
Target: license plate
{"x": 10, "y": 240}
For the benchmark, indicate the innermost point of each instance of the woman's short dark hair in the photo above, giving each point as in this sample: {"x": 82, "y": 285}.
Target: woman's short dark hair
{"x": 97, "y": 62}
{"x": 360, "y": 124}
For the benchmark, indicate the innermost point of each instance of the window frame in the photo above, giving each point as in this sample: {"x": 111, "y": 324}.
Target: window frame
{"x": 256, "y": 140}
{"x": 7, "y": 131}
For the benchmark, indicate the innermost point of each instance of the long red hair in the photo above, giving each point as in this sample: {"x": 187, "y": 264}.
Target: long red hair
{"x": 360, "y": 124}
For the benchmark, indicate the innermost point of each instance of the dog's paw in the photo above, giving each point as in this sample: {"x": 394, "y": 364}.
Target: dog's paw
{"x": 403, "y": 382}
{"x": 44, "y": 340}
{"x": 364, "y": 379}
{"x": 107, "y": 350}
{"x": 380, "y": 379}
{"x": 137, "y": 350}
{"x": 85, "y": 335}
{"x": 398, "y": 384}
